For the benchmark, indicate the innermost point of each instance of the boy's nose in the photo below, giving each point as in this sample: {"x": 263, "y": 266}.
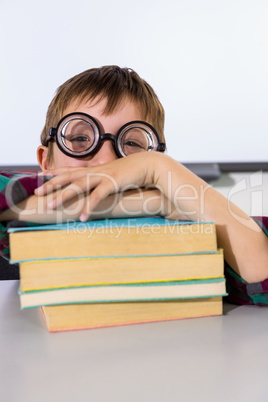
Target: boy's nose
{"x": 106, "y": 153}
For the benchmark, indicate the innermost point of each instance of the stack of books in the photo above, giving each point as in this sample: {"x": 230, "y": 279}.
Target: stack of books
{"x": 119, "y": 271}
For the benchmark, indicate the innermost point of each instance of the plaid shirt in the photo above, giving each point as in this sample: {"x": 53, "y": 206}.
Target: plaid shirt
{"x": 16, "y": 186}
{"x": 241, "y": 292}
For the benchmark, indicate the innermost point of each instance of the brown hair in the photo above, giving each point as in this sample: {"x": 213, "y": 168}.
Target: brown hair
{"x": 109, "y": 82}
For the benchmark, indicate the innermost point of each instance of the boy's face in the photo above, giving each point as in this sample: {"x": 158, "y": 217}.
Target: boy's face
{"x": 111, "y": 123}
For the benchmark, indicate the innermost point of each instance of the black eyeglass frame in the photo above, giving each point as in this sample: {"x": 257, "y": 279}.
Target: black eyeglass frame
{"x": 54, "y": 135}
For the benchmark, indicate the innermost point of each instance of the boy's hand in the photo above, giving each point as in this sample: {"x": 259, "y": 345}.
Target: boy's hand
{"x": 137, "y": 172}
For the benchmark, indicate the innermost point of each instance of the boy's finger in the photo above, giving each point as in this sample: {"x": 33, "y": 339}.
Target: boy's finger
{"x": 59, "y": 171}
{"x": 47, "y": 188}
{"x": 83, "y": 186}
{"x": 93, "y": 200}
{"x": 56, "y": 183}
{"x": 73, "y": 190}
{"x": 61, "y": 179}
{"x": 84, "y": 217}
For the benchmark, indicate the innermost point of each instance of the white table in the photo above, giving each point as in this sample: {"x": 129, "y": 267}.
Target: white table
{"x": 206, "y": 359}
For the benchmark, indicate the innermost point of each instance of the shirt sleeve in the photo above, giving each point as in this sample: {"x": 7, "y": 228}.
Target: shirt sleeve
{"x": 14, "y": 188}
{"x": 241, "y": 292}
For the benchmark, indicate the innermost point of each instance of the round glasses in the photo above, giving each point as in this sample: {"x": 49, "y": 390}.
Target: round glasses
{"x": 78, "y": 135}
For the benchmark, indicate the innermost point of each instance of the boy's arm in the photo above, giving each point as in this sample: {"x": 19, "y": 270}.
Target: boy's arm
{"x": 244, "y": 243}
{"x": 130, "y": 203}
{"x": 18, "y": 202}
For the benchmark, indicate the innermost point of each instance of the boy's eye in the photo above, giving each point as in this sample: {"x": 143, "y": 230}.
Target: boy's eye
{"x": 133, "y": 144}
{"x": 77, "y": 135}
{"x": 134, "y": 140}
{"x": 78, "y": 142}
{"x": 78, "y": 138}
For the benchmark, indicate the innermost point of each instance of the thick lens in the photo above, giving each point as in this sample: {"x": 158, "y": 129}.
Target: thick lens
{"x": 77, "y": 135}
{"x": 137, "y": 138}
{"x": 134, "y": 140}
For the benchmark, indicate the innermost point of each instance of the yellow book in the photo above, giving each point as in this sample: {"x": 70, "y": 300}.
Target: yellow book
{"x": 85, "y": 316}
{"x": 113, "y": 237}
{"x": 60, "y": 273}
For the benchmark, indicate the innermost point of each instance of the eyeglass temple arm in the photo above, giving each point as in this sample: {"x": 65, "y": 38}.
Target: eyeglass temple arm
{"x": 51, "y": 134}
{"x": 161, "y": 147}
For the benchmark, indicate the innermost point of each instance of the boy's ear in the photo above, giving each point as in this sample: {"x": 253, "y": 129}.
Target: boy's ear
{"x": 42, "y": 154}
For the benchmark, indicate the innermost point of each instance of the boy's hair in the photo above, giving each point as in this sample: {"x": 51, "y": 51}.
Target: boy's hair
{"x": 109, "y": 82}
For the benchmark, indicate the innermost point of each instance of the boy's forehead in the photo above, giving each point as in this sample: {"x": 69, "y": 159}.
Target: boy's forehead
{"x": 83, "y": 105}
{"x": 99, "y": 106}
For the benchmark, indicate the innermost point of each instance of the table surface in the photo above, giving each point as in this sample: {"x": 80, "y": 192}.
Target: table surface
{"x": 202, "y": 359}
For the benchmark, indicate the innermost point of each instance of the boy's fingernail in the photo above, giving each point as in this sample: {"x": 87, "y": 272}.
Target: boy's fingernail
{"x": 51, "y": 204}
{"x": 83, "y": 217}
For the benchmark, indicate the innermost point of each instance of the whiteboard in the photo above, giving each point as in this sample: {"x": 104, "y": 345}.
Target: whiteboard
{"x": 207, "y": 61}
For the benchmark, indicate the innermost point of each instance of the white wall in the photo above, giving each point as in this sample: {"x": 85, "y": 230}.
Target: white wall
{"x": 206, "y": 59}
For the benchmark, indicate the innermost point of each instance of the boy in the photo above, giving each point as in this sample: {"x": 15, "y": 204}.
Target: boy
{"x": 96, "y": 143}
